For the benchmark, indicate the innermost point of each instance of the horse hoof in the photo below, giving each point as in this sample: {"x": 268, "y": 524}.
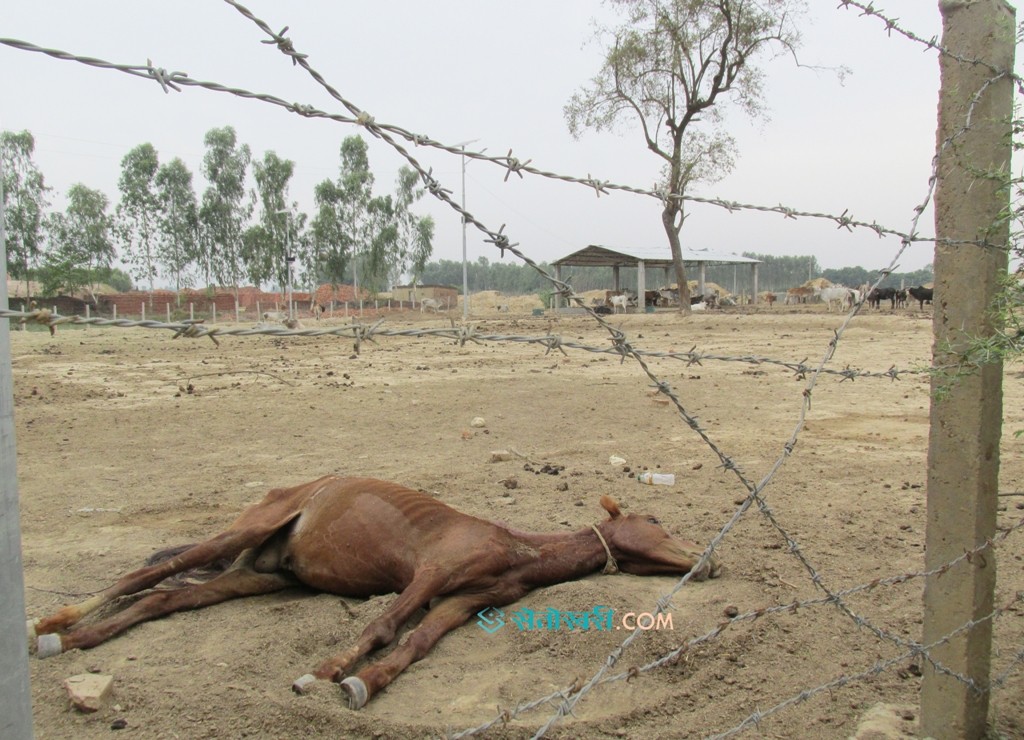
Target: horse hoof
{"x": 355, "y": 688}
{"x": 30, "y": 627}
{"x": 49, "y": 645}
{"x": 301, "y": 685}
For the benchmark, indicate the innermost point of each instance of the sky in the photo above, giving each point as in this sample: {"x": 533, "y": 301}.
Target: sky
{"x": 496, "y": 74}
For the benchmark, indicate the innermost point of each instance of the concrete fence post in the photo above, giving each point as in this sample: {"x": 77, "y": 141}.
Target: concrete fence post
{"x": 15, "y": 697}
{"x": 966, "y": 422}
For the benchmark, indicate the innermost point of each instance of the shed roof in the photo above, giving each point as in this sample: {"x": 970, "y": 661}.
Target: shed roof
{"x": 596, "y": 255}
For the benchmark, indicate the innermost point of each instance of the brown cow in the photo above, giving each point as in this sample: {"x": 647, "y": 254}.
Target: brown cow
{"x": 360, "y": 537}
{"x": 799, "y": 295}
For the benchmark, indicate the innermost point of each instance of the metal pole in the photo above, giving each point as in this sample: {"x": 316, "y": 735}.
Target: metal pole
{"x": 15, "y": 697}
{"x": 465, "y": 269}
{"x": 966, "y": 424}
{"x": 289, "y": 258}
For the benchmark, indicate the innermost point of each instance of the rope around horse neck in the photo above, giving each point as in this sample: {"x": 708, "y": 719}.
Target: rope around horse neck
{"x": 610, "y": 567}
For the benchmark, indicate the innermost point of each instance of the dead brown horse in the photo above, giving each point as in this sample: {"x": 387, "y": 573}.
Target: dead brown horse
{"x": 360, "y": 537}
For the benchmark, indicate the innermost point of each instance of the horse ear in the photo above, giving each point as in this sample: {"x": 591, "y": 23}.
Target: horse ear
{"x": 609, "y": 505}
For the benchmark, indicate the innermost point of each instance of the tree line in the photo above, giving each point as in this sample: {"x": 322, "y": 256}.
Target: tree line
{"x": 244, "y": 228}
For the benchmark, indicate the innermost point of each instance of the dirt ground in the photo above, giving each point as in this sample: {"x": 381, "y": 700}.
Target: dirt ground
{"x": 130, "y": 441}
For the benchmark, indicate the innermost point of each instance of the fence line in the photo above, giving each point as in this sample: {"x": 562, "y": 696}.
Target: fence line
{"x": 459, "y": 335}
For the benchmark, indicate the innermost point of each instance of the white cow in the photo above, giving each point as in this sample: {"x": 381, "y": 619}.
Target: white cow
{"x": 432, "y": 303}
{"x": 619, "y": 300}
{"x": 839, "y": 294}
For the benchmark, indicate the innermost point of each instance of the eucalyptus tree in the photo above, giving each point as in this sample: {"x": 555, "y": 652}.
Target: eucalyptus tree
{"x": 25, "y": 203}
{"x": 677, "y": 63}
{"x": 269, "y": 242}
{"x": 415, "y": 234}
{"x": 224, "y": 210}
{"x": 178, "y": 223}
{"x": 341, "y": 228}
{"x": 382, "y": 248}
{"x": 81, "y": 240}
{"x": 138, "y": 213}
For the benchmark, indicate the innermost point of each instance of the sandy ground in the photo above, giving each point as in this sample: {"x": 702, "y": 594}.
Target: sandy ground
{"x": 129, "y": 441}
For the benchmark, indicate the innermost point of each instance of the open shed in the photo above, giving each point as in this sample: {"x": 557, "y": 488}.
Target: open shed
{"x": 596, "y": 255}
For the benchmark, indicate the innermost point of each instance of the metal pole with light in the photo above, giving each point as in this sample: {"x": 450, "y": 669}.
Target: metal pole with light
{"x": 465, "y": 269}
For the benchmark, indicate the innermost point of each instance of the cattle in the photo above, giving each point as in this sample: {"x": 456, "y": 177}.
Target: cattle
{"x": 361, "y": 537}
{"x": 669, "y": 297}
{"x": 922, "y": 295}
{"x": 317, "y": 310}
{"x": 430, "y": 303}
{"x": 798, "y": 295}
{"x": 838, "y": 294}
{"x": 275, "y": 315}
{"x": 901, "y": 298}
{"x": 876, "y": 296}
{"x": 619, "y": 301}
{"x": 652, "y": 298}
{"x": 770, "y": 298}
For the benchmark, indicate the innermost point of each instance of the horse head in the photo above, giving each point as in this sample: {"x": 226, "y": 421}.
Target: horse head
{"x": 642, "y": 547}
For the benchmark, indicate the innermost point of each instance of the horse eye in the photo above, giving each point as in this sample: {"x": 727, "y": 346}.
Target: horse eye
{"x": 653, "y": 520}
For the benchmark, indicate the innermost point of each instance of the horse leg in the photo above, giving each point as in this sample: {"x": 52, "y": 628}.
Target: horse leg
{"x": 239, "y": 580}
{"x": 227, "y": 544}
{"x": 441, "y": 620}
{"x": 382, "y": 630}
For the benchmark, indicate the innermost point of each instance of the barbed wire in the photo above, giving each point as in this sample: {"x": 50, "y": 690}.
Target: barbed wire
{"x": 459, "y": 334}
{"x": 892, "y": 24}
{"x": 287, "y": 47}
{"x": 177, "y": 80}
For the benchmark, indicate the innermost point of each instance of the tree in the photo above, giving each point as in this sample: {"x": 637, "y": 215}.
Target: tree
{"x": 341, "y": 227}
{"x": 81, "y": 241}
{"x": 224, "y": 211}
{"x": 675, "y": 63}
{"x": 137, "y": 212}
{"x": 415, "y": 234}
{"x": 178, "y": 223}
{"x": 25, "y": 202}
{"x": 268, "y": 243}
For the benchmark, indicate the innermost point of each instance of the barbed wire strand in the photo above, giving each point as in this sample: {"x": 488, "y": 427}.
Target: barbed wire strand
{"x": 175, "y": 81}
{"x": 457, "y": 334}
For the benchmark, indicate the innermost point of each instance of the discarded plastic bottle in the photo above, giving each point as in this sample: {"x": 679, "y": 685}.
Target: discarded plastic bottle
{"x": 657, "y": 479}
